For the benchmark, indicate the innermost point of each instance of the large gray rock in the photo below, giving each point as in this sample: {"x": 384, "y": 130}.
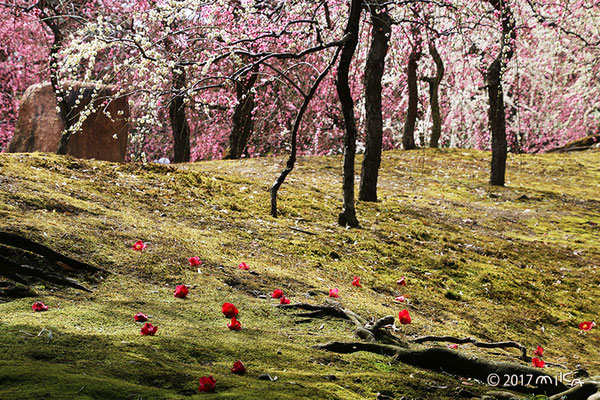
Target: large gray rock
{"x": 39, "y": 126}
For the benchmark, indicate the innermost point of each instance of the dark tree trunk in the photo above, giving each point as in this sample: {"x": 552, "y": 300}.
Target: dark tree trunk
{"x": 348, "y": 216}
{"x": 243, "y": 123}
{"x": 408, "y": 136}
{"x": 497, "y": 123}
{"x": 178, "y": 118}
{"x": 496, "y": 113}
{"x": 380, "y": 36}
{"x": 434, "y": 85}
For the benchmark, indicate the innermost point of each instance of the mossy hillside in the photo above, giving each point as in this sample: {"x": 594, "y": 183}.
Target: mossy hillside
{"x": 515, "y": 263}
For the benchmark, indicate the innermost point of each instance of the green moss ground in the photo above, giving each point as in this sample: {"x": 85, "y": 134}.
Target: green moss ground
{"x": 516, "y": 263}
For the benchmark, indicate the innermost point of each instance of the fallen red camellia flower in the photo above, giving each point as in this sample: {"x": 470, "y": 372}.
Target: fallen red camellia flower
{"x": 284, "y": 300}
{"x": 400, "y": 299}
{"x": 404, "y": 317}
{"x": 401, "y": 281}
{"x": 194, "y": 261}
{"x": 539, "y": 351}
{"x": 234, "y": 325}
{"x": 356, "y": 281}
{"x": 207, "y": 384}
{"x": 39, "y": 306}
{"x": 149, "y": 329}
{"x": 238, "y": 368}
{"x": 139, "y": 245}
{"x": 537, "y": 362}
{"x": 140, "y": 317}
{"x": 452, "y": 346}
{"x": 244, "y": 266}
{"x": 587, "y": 325}
{"x": 277, "y": 293}
{"x": 229, "y": 310}
{"x": 181, "y": 291}
{"x": 334, "y": 292}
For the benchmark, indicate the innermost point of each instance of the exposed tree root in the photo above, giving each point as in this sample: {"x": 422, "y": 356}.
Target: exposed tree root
{"x": 485, "y": 345}
{"x": 8, "y": 272}
{"x": 371, "y": 331}
{"x": 380, "y": 341}
{"x": 587, "y": 391}
{"x": 456, "y": 363}
{"x": 476, "y": 343}
{"x": 61, "y": 260}
{"x": 16, "y": 272}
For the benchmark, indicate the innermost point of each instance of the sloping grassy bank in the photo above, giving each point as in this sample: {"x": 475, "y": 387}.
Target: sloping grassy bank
{"x": 517, "y": 263}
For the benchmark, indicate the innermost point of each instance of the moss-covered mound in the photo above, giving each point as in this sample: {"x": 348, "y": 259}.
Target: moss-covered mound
{"x": 517, "y": 263}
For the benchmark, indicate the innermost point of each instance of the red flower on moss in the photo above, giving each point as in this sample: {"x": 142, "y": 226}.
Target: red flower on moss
{"x": 207, "y": 384}
{"x": 356, "y": 281}
{"x": 277, "y": 293}
{"x": 244, "y": 266}
{"x": 39, "y": 306}
{"x": 229, "y": 310}
{"x": 587, "y": 325}
{"x": 284, "y": 300}
{"x": 400, "y": 299}
{"x": 194, "y": 261}
{"x": 404, "y": 317}
{"x": 140, "y": 317}
{"x": 234, "y": 325}
{"x": 238, "y": 368}
{"x": 538, "y": 363}
{"x": 452, "y": 346}
{"x": 539, "y": 351}
{"x": 149, "y": 329}
{"x": 181, "y": 291}
{"x": 139, "y": 246}
{"x": 334, "y": 292}
{"x": 401, "y": 281}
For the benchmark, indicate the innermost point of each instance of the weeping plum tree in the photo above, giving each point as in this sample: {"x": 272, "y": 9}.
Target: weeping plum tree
{"x": 496, "y": 112}
{"x": 380, "y": 36}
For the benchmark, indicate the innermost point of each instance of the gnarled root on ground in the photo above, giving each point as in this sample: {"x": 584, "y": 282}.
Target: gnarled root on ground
{"x": 379, "y": 340}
